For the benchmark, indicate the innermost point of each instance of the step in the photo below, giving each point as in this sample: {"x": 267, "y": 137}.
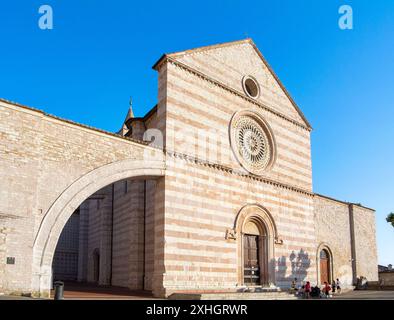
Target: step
{"x": 278, "y": 295}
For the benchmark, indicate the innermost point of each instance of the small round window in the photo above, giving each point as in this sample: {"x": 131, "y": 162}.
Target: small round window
{"x": 251, "y": 87}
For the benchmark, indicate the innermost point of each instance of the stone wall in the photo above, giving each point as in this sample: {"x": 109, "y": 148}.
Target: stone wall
{"x": 128, "y": 264}
{"x": 128, "y": 241}
{"x": 83, "y": 241}
{"x": 386, "y": 278}
{"x": 65, "y": 260}
{"x": 348, "y": 230}
{"x": 3, "y": 237}
{"x": 332, "y": 225}
{"x": 149, "y": 256}
{"x": 365, "y": 243}
{"x": 40, "y": 157}
{"x": 198, "y": 256}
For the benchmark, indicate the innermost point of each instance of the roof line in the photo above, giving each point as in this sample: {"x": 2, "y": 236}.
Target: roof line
{"x": 145, "y": 143}
{"x": 198, "y": 49}
{"x": 147, "y": 116}
{"x": 282, "y": 86}
{"x": 164, "y": 57}
{"x": 344, "y": 202}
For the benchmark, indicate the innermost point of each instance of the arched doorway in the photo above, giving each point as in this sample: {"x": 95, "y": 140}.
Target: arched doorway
{"x": 324, "y": 263}
{"x": 256, "y": 236}
{"x": 324, "y": 266}
{"x": 255, "y": 255}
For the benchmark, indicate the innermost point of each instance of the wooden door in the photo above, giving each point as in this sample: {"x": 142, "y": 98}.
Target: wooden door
{"x": 251, "y": 260}
{"x": 324, "y": 267}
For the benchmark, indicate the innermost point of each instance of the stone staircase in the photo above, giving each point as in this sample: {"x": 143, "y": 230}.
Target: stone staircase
{"x": 259, "y": 294}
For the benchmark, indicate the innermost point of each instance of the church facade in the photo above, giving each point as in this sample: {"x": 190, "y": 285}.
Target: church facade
{"x": 210, "y": 191}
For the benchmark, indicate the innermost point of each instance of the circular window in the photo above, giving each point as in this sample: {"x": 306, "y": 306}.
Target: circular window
{"x": 251, "y": 87}
{"x": 252, "y": 142}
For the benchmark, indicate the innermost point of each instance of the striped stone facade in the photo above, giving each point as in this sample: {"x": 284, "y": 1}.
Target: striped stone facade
{"x": 184, "y": 230}
{"x": 203, "y": 91}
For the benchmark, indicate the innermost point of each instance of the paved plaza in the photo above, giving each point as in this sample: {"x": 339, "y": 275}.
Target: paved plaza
{"x": 94, "y": 293}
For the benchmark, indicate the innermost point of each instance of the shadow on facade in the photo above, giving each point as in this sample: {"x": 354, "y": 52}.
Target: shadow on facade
{"x": 299, "y": 264}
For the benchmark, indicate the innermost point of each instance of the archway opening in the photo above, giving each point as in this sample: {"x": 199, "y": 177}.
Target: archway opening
{"x": 108, "y": 242}
{"x": 256, "y": 236}
{"x": 325, "y": 266}
{"x": 255, "y": 256}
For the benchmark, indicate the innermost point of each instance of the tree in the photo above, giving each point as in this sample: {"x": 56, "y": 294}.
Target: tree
{"x": 390, "y": 218}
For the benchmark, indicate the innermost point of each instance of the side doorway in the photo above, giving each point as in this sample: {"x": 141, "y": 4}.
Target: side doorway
{"x": 325, "y": 267}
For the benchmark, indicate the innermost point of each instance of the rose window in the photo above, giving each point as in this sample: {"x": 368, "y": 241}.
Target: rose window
{"x": 252, "y": 143}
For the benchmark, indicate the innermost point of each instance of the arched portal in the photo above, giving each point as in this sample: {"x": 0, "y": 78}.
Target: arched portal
{"x": 71, "y": 198}
{"x": 324, "y": 262}
{"x": 255, "y": 253}
{"x": 256, "y": 236}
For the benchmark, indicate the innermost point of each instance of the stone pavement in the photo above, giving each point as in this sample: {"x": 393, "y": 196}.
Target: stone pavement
{"x": 92, "y": 293}
{"x": 83, "y": 291}
{"x": 366, "y": 295}
{"x": 4, "y": 297}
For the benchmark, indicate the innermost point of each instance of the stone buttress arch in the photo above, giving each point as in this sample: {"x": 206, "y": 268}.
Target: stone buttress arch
{"x": 71, "y": 198}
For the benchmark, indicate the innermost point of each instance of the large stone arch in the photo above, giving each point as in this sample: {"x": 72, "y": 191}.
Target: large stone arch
{"x": 70, "y": 199}
{"x": 265, "y": 222}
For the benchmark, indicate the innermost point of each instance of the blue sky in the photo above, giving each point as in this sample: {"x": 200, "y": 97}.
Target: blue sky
{"x": 99, "y": 53}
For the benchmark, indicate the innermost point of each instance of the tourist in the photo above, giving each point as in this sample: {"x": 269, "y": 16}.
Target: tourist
{"x": 293, "y": 288}
{"x": 326, "y": 289}
{"x": 333, "y": 286}
{"x": 301, "y": 291}
{"x": 338, "y": 284}
{"x": 307, "y": 290}
{"x": 315, "y": 293}
{"x": 318, "y": 291}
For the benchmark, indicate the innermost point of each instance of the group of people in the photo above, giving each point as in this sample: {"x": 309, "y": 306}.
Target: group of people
{"x": 307, "y": 291}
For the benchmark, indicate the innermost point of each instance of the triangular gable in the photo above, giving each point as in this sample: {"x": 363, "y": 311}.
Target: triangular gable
{"x": 280, "y": 98}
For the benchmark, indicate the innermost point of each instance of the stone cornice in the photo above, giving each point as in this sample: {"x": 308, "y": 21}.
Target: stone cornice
{"x": 233, "y": 91}
{"x": 232, "y": 171}
{"x": 343, "y": 202}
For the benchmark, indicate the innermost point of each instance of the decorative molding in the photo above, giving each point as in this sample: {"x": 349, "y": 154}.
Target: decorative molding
{"x": 231, "y": 234}
{"x": 278, "y": 240}
{"x": 239, "y": 173}
{"x": 264, "y": 221}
